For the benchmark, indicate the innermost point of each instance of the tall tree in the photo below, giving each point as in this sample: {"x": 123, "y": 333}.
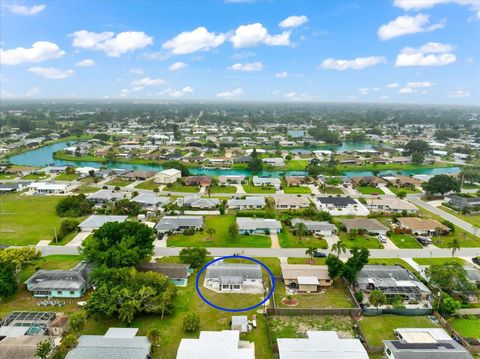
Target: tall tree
{"x": 310, "y": 251}
{"x": 377, "y": 298}
{"x": 300, "y": 230}
{"x": 454, "y": 246}
{"x": 339, "y": 247}
{"x": 441, "y": 184}
{"x": 194, "y": 256}
{"x": 18, "y": 258}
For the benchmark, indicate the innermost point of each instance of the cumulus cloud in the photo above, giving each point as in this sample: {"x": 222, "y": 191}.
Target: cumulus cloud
{"x": 248, "y": 67}
{"x": 355, "y": 64}
{"x": 459, "y": 93}
{"x": 177, "y": 66}
{"x": 140, "y": 84}
{"x": 430, "y": 54}
{"x": 85, "y": 63}
{"x": 474, "y": 5}
{"x": 256, "y": 34}
{"x": 39, "y": 52}
{"x": 137, "y": 71}
{"x": 392, "y": 85}
{"x": 25, "y": 10}
{"x": 405, "y": 25}
{"x": 51, "y": 72}
{"x": 177, "y": 93}
{"x": 113, "y": 45}
{"x": 281, "y": 75}
{"x": 192, "y": 41}
{"x": 414, "y": 87}
{"x": 294, "y": 96}
{"x": 229, "y": 95}
{"x": 293, "y": 21}
{"x": 363, "y": 91}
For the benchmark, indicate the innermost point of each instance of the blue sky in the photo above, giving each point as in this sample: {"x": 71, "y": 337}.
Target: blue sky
{"x": 412, "y": 51}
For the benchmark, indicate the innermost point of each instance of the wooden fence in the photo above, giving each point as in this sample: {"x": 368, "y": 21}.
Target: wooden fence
{"x": 454, "y": 334}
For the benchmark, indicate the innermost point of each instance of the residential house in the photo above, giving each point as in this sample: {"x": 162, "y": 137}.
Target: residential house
{"x": 341, "y": 206}
{"x": 420, "y": 226}
{"x": 274, "y": 161}
{"x": 460, "y": 203}
{"x": 21, "y": 347}
{"x": 321, "y": 345}
{"x": 177, "y": 273}
{"x": 95, "y": 221}
{"x": 365, "y": 224}
{"x": 248, "y": 225}
{"x": 10, "y": 187}
{"x": 104, "y": 196}
{"x": 172, "y": 224}
{"x": 196, "y": 201}
{"x": 227, "y": 179}
{"x": 403, "y": 181}
{"x": 212, "y": 345}
{"x": 291, "y": 202}
{"x": 305, "y": 278}
{"x": 316, "y": 227}
{"x": 372, "y": 181}
{"x": 139, "y": 175}
{"x": 118, "y": 343}
{"x": 234, "y": 278}
{"x": 243, "y": 159}
{"x": 203, "y": 181}
{"x": 167, "y": 176}
{"x": 295, "y": 180}
{"x": 151, "y": 201}
{"x": 59, "y": 325}
{"x": 246, "y": 203}
{"x": 266, "y": 181}
{"x": 72, "y": 283}
{"x": 49, "y": 188}
{"x": 391, "y": 204}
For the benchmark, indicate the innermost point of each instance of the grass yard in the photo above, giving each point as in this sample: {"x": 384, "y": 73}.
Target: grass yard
{"x": 86, "y": 189}
{"x": 333, "y": 190}
{"x": 296, "y": 190}
{"x": 391, "y": 262}
{"x": 25, "y": 220}
{"x": 148, "y": 185}
{"x": 407, "y": 190}
{"x": 223, "y": 189}
{"x": 7, "y": 176}
{"x": 66, "y": 177}
{"x": 178, "y": 187}
{"x": 295, "y": 165}
{"x": 335, "y": 297}
{"x": 467, "y": 326}
{"x": 472, "y": 219}
{"x": 34, "y": 177}
{"x": 379, "y": 328}
{"x": 118, "y": 182}
{"x": 220, "y": 238}
{"x": 289, "y": 240}
{"x": 470, "y": 186}
{"x": 317, "y": 261}
{"x": 438, "y": 261}
{"x": 404, "y": 241}
{"x": 360, "y": 241}
{"x": 250, "y": 188}
{"x": 369, "y": 190}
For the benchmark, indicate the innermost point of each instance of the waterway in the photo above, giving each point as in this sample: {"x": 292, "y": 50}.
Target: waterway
{"x": 44, "y": 156}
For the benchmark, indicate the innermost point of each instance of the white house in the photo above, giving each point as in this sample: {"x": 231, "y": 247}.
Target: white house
{"x": 387, "y": 204}
{"x": 246, "y": 203}
{"x": 167, "y": 176}
{"x": 249, "y": 225}
{"x": 274, "y": 161}
{"x": 266, "y": 181}
{"x": 49, "y": 188}
{"x": 234, "y": 278}
{"x": 316, "y": 227}
{"x": 96, "y": 221}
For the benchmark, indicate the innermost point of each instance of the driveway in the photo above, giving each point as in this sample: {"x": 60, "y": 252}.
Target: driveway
{"x": 239, "y": 187}
{"x": 78, "y": 239}
{"x": 275, "y": 242}
{"x": 313, "y": 188}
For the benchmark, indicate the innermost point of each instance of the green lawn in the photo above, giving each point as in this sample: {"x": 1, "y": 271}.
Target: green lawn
{"x": 223, "y": 189}
{"x": 404, "y": 241}
{"x": 407, "y": 190}
{"x": 178, "y": 187}
{"x": 360, "y": 241}
{"x": 391, "y": 262}
{"x": 296, "y": 190}
{"x": 288, "y": 240}
{"x": 295, "y": 165}
{"x": 34, "y": 177}
{"x": 250, "y": 188}
{"x": 86, "y": 189}
{"x": 147, "y": 185}
{"x": 317, "y": 261}
{"x": 25, "y": 220}
{"x": 472, "y": 219}
{"x": 118, "y": 182}
{"x": 468, "y": 326}
{"x": 470, "y": 186}
{"x": 7, "y": 176}
{"x": 438, "y": 261}
{"x": 379, "y": 328}
{"x": 220, "y": 238}
{"x": 369, "y": 190}
{"x": 66, "y": 177}
{"x": 335, "y": 297}
{"x": 333, "y": 190}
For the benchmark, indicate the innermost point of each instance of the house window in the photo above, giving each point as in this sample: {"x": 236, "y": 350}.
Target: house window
{"x": 59, "y": 292}
{"x": 236, "y": 286}
{"x": 72, "y": 292}
{"x": 225, "y": 286}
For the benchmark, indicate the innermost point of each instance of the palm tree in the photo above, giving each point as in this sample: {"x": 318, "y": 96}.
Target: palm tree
{"x": 454, "y": 246}
{"x": 300, "y": 229}
{"x": 210, "y": 231}
{"x": 209, "y": 191}
{"x": 339, "y": 247}
{"x": 310, "y": 251}
{"x": 153, "y": 336}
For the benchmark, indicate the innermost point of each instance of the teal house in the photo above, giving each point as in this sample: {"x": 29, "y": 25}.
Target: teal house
{"x": 72, "y": 283}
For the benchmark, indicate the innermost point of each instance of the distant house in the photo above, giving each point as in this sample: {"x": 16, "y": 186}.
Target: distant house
{"x": 167, "y": 176}
{"x": 372, "y": 181}
{"x": 316, "y": 227}
{"x": 404, "y": 181}
{"x": 246, "y": 203}
{"x": 390, "y": 204}
{"x": 460, "y": 202}
{"x": 274, "y": 161}
{"x": 118, "y": 343}
{"x": 305, "y": 278}
{"x": 151, "y": 201}
{"x": 138, "y": 175}
{"x": 266, "y": 181}
{"x": 196, "y": 201}
{"x": 172, "y": 224}
{"x": 104, "y": 196}
{"x": 49, "y": 188}
{"x": 319, "y": 344}
{"x": 203, "y": 181}
{"x": 365, "y": 224}
{"x": 421, "y": 226}
{"x": 291, "y": 202}
{"x": 340, "y": 206}
{"x": 234, "y": 278}
{"x": 95, "y": 221}
{"x": 227, "y": 179}
{"x": 295, "y": 180}
{"x": 336, "y": 202}
{"x": 10, "y": 187}
{"x": 248, "y": 225}
{"x": 177, "y": 273}
{"x": 243, "y": 159}
{"x": 71, "y": 283}
{"x": 213, "y": 345}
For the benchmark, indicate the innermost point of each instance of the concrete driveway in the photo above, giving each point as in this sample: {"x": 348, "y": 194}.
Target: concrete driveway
{"x": 275, "y": 242}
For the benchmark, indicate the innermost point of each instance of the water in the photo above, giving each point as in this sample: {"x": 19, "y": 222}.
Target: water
{"x": 44, "y": 156}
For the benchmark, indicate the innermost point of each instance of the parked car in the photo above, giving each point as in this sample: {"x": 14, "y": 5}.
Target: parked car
{"x": 318, "y": 254}
{"x": 382, "y": 238}
{"x": 476, "y": 260}
{"x": 424, "y": 241}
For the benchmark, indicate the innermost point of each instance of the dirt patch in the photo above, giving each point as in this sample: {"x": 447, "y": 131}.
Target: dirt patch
{"x": 290, "y": 302}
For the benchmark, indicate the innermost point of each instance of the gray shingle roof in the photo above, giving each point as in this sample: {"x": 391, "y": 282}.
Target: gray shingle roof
{"x": 99, "y": 347}
{"x": 234, "y": 270}
{"x": 172, "y": 223}
{"x": 96, "y": 221}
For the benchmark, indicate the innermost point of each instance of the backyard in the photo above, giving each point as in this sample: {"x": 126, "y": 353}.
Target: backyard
{"x": 250, "y": 188}
{"x": 467, "y": 326}
{"x": 289, "y": 240}
{"x": 178, "y": 187}
{"x": 118, "y": 182}
{"x": 369, "y": 190}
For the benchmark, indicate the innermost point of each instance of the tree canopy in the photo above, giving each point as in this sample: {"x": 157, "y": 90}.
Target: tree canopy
{"x": 194, "y": 256}
{"x": 441, "y": 184}
{"x": 74, "y": 206}
{"x": 450, "y": 277}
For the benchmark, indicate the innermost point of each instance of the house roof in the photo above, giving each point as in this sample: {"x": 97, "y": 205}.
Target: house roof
{"x": 337, "y": 201}
{"x": 70, "y": 279}
{"x": 105, "y": 194}
{"x": 234, "y": 270}
{"x": 171, "y": 270}
{"x": 364, "y": 223}
{"x": 249, "y": 223}
{"x": 170, "y": 223}
{"x": 96, "y": 221}
{"x": 150, "y": 199}
{"x": 286, "y": 200}
{"x": 314, "y": 225}
{"x": 266, "y": 180}
{"x": 442, "y": 349}
{"x": 248, "y": 201}
{"x": 169, "y": 172}
{"x": 23, "y": 347}
{"x": 422, "y": 224}
{"x": 393, "y": 203}
{"x": 197, "y": 201}
{"x": 295, "y": 271}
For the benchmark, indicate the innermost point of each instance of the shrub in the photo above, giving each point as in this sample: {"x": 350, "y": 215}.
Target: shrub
{"x": 191, "y": 322}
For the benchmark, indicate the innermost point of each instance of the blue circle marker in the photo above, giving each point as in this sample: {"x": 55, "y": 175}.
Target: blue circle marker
{"x": 272, "y": 280}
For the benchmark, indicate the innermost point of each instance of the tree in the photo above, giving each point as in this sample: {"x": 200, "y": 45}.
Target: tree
{"x": 69, "y": 342}
{"x": 8, "y": 280}
{"x": 77, "y": 321}
{"x": 178, "y": 166}
{"x": 310, "y": 251}
{"x": 417, "y": 146}
{"x": 18, "y": 258}
{"x": 418, "y": 158}
{"x": 441, "y": 184}
{"x": 401, "y": 194}
{"x": 339, "y": 247}
{"x": 125, "y": 207}
{"x": 210, "y": 231}
{"x": 191, "y": 322}
{"x": 454, "y": 246}
{"x": 119, "y": 244}
{"x": 256, "y": 164}
{"x": 44, "y": 348}
{"x": 194, "y": 256}
{"x": 377, "y": 298}
{"x": 233, "y": 231}
{"x": 66, "y": 227}
{"x": 335, "y": 266}
{"x": 154, "y": 336}
{"x": 300, "y": 229}
{"x": 74, "y": 206}
{"x": 449, "y": 276}
{"x": 70, "y": 170}
{"x": 449, "y": 305}
{"x": 355, "y": 263}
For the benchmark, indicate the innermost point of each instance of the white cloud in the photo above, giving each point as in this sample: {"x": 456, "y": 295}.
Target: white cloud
{"x": 137, "y": 71}
{"x": 355, "y": 64}
{"x": 459, "y": 93}
{"x": 383, "y": 97}
{"x": 294, "y": 96}
{"x": 85, "y": 63}
{"x": 413, "y": 87}
{"x": 229, "y": 95}
{"x": 177, "y": 66}
{"x": 248, "y": 67}
{"x": 392, "y": 85}
{"x": 177, "y": 93}
{"x": 281, "y": 75}
{"x": 40, "y": 51}
{"x": 124, "y": 93}
{"x": 293, "y": 21}
{"x": 113, "y": 45}
{"x": 427, "y": 4}
{"x": 430, "y": 54}
{"x": 140, "y": 84}
{"x": 25, "y": 10}
{"x": 51, "y": 72}
{"x": 363, "y": 91}
{"x": 405, "y": 25}
{"x": 192, "y": 41}
{"x": 256, "y": 34}
{"x": 32, "y": 91}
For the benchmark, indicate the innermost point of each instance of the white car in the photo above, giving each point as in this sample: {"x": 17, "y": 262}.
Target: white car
{"x": 382, "y": 238}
